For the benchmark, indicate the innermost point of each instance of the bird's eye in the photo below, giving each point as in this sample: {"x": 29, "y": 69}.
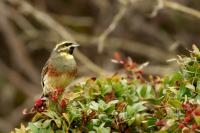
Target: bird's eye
{"x": 68, "y": 44}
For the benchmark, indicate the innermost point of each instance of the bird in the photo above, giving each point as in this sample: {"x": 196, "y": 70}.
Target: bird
{"x": 60, "y": 69}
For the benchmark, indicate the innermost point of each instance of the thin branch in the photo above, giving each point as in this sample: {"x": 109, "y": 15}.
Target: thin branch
{"x": 181, "y": 8}
{"x": 157, "y": 8}
{"x": 90, "y": 65}
{"x": 52, "y": 24}
{"x": 111, "y": 27}
{"x": 18, "y": 51}
{"x": 78, "y": 21}
{"x": 129, "y": 45}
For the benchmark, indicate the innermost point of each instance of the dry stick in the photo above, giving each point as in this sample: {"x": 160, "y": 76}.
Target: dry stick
{"x": 128, "y": 45}
{"x": 74, "y": 20}
{"x": 18, "y": 51}
{"x": 157, "y": 8}
{"x": 111, "y": 27}
{"x": 23, "y": 23}
{"x": 181, "y": 8}
{"x": 44, "y": 18}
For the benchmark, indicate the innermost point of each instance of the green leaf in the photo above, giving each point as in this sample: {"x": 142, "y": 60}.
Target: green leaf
{"x": 175, "y": 103}
{"x": 102, "y": 129}
{"x": 38, "y": 124}
{"x": 46, "y": 123}
{"x": 190, "y": 86}
{"x": 181, "y": 91}
{"x": 144, "y": 91}
{"x": 51, "y": 114}
{"x": 94, "y": 105}
{"x": 198, "y": 86}
{"x": 137, "y": 107}
{"x": 33, "y": 128}
{"x": 58, "y": 122}
{"x": 197, "y": 119}
{"x": 151, "y": 121}
{"x": 130, "y": 121}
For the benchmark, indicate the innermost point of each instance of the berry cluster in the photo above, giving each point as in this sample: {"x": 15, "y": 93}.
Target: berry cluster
{"x": 40, "y": 105}
{"x": 191, "y": 111}
{"x": 131, "y": 68}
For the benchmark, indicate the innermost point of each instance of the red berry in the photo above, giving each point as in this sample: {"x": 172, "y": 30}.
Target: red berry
{"x": 63, "y": 104}
{"x": 186, "y": 106}
{"x": 187, "y": 119}
{"x": 140, "y": 71}
{"x": 54, "y": 98}
{"x": 160, "y": 123}
{"x": 59, "y": 90}
{"x": 194, "y": 126}
{"x": 38, "y": 103}
{"x": 197, "y": 113}
{"x": 180, "y": 126}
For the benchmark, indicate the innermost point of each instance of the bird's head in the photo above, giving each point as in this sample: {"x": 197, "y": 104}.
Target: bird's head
{"x": 65, "y": 47}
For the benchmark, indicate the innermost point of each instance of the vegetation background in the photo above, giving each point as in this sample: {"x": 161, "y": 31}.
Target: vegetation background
{"x": 146, "y": 30}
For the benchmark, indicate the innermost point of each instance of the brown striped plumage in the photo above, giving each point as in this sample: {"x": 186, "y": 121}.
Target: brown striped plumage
{"x": 60, "y": 69}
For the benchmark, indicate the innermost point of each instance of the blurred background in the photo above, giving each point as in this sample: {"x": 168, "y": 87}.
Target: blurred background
{"x": 146, "y": 30}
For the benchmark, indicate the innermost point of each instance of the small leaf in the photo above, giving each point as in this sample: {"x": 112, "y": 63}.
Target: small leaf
{"x": 94, "y": 105}
{"x": 175, "y": 103}
{"x": 33, "y": 128}
{"x": 58, "y": 122}
{"x": 197, "y": 119}
{"x": 46, "y": 123}
{"x": 137, "y": 107}
{"x": 190, "y": 86}
{"x": 198, "y": 86}
{"x": 36, "y": 117}
{"x": 130, "y": 121}
{"x": 51, "y": 114}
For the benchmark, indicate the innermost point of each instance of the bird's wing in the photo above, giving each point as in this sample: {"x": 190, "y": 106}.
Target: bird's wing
{"x": 44, "y": 71}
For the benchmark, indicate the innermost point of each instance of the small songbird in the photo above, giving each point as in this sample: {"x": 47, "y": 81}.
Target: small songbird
{"x": 60, "y": 69}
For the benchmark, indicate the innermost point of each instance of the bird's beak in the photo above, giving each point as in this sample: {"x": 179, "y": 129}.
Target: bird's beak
{"x": 75, "y": 45}
{"x": 72, "y": 47}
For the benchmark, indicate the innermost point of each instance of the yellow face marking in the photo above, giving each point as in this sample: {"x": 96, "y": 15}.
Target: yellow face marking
{"x": 66, "y": 55}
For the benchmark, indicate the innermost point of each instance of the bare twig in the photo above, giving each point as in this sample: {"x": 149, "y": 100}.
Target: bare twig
{"x": 49, "y": 22}
{"x": 90, "y": 65}
{"x": 112, "y": 26}
{"x": 18, "y": 51}
{"x": 74, "y": 20}
{"x": 181, "y": 8}
{"x": 130, "y": 46}
{"x": 157, "y": 8}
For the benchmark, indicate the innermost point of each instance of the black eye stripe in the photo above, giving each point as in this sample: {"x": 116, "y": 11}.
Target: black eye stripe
{"x": 64, "y": 45}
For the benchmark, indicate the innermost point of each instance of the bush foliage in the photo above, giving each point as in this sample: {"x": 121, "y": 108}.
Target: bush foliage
{"x": 128, "y": 103}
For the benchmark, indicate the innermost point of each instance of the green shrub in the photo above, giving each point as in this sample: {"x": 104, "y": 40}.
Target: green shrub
{"x": 128, "y": 104}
